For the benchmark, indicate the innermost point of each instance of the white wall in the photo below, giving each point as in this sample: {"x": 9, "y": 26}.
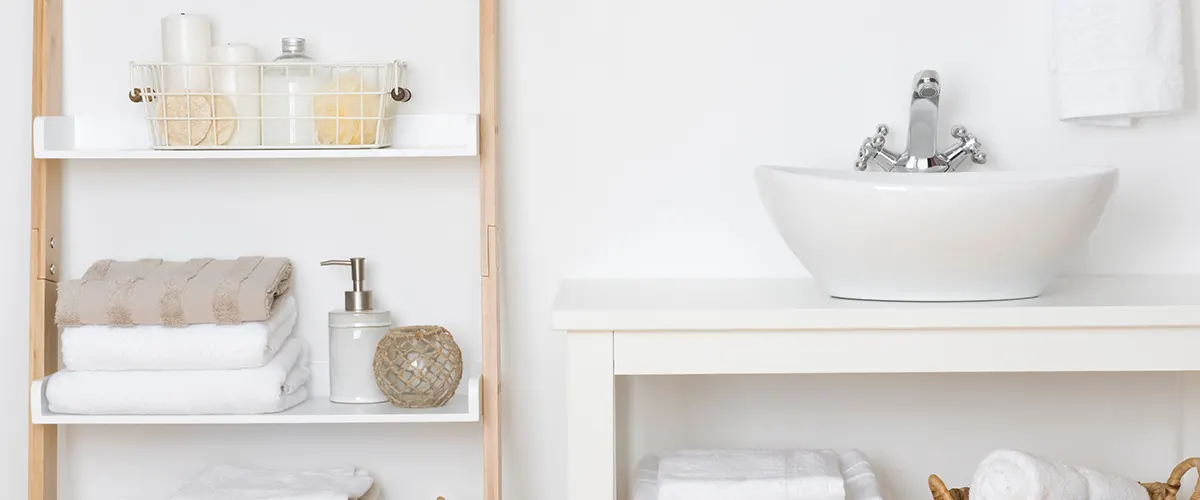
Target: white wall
{"x": 16, "y": 40}
{"x": 630, "y": 128}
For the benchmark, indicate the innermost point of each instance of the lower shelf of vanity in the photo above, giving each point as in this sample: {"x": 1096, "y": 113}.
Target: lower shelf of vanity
{"x": 463, "y": 407}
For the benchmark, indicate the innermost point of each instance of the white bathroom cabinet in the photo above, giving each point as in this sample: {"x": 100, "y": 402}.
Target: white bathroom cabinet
{"x": 729, "y": 337}
{"x": 423, "y": 213}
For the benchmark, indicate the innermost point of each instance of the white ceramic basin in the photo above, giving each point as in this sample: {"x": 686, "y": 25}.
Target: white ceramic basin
{"x": 944, "y": 237}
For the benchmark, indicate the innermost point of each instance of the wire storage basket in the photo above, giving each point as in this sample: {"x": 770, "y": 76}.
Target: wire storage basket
{"x": 282, "y": 105}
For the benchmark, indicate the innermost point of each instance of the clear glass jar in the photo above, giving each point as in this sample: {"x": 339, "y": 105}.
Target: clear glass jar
{"x": 287, "y": 103}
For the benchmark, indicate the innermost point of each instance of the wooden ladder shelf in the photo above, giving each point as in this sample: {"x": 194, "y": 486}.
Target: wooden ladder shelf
{"x": 45, "y": 247}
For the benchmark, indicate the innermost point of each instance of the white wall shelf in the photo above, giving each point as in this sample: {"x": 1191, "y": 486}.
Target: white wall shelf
{"x": 100, "y": 137}
{"x": 463, "y": 407}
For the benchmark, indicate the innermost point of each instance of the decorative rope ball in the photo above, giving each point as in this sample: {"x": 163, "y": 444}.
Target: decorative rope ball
{"x": 418, "y": 366}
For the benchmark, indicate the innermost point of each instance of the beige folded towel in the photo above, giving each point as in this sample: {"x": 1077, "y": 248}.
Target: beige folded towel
{"x": 157, "y": 292}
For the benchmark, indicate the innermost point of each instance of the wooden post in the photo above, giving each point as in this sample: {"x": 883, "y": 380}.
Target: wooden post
{"x": 45, "y": 243}
{"x": 490, "y": 241}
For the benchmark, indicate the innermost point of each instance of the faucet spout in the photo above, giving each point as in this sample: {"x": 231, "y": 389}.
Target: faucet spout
{"x": 922, "y": 120}
{"x": 921, "y": 154}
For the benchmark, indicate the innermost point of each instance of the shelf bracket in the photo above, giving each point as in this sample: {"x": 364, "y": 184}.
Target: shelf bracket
{"x": 491, "y": 247}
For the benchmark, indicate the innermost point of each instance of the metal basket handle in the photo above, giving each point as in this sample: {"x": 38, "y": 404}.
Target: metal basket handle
{"x": 137, "y": 95}
{"x": 401, "y": 94}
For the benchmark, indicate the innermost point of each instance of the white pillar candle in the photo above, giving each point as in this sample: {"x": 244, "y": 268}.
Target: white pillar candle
{"x": 240, "y": 83}
{"x": 186, "y": 39}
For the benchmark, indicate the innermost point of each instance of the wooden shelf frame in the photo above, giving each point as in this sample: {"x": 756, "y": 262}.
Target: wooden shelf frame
{"x": 46, "y": 224}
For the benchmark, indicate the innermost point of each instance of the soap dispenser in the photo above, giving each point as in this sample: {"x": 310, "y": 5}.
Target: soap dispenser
{"x": 354, "y": 332}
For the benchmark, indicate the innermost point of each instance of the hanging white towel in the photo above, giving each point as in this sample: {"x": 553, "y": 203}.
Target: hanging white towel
{"x": 1015, "y": 475}
{"x": 275, "y": 387}
{"x": 194, "y": 347}
{"x": 1117, "y": 60}
{"x": 861, "y": 483}
{"x": 228, "y": 482}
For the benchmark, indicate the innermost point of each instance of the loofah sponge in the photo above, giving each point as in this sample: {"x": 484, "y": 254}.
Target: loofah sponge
{"x": 198, "y": 108}
{"x": 348, "y": 119}
{"x": 223, "y": 107}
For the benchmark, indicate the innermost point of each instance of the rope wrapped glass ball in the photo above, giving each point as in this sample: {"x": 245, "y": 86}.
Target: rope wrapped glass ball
{"x": 418, "y": 366}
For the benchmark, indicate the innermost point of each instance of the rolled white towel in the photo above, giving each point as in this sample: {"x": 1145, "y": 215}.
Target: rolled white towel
{"x": 1015, "y": 475}
{"x": 1105, "y": 486}
{"x": 861, "y": 483}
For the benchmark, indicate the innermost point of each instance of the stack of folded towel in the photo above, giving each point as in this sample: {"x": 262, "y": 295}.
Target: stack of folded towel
{"x": 202, "y": 336}
{"x": 756, "y": 474}
{"x": 1016, "y": 475}
{"x": 228, "y": 482}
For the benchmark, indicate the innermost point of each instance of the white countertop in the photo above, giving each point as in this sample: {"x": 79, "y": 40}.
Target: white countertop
{"x": 799, "y": 304}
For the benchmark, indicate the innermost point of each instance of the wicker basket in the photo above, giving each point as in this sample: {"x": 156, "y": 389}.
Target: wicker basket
{"x": 1157, "y": 491}
{"x": 418, "y": 366}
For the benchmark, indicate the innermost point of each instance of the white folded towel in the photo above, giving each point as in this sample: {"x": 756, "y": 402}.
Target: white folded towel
{"x": 750, "y": 475}
{"x": 275, "y": 387}
{"x": 861, "y": 483}
{"x": 645, "y": 478}
{"x": 1105, "y": 486}
{"x": 1015, "y": 475}
{"x": 815, "y": 475}
{"x": 1117, "y": 60}
{"x": 194, "y": 347}
{"x": 228, "y": 482}
{"x": 722, "y": 475}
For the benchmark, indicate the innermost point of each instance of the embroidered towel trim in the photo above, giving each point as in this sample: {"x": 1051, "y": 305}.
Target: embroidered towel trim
{"x": 174, "y": 293}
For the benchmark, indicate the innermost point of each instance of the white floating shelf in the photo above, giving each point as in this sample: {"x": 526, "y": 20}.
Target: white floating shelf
{"x": 463, "y": 407}
{"x": 1080, "y": 324}
{"x": 88, "y": 137}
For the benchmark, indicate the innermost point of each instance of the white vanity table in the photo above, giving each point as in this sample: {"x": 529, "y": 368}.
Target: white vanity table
{"x": 789, "y": 326}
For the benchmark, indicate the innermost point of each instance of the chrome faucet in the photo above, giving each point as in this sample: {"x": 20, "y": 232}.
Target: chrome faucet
{"x": 922, "y": 155}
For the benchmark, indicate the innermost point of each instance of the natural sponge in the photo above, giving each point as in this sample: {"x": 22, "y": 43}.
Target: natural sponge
{"x": 346, "y": 119}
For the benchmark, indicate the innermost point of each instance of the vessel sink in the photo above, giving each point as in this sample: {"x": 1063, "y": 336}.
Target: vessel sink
{"x": 935, "y": 237}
